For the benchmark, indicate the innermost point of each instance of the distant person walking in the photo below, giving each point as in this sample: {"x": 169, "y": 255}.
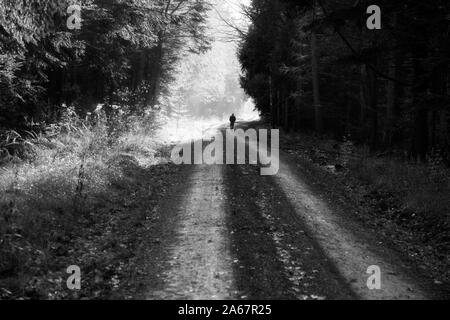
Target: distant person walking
{"x": 232, "y": 121}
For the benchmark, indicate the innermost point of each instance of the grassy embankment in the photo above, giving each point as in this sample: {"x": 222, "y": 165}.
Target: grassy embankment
{"x": 66, "y": 198}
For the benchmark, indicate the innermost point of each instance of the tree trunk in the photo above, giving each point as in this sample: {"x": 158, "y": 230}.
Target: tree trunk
{"x": 286, "y": 114}
{"x": 390, "y": 96}
{"x": 420, "y": 134}
{"x": 298, "y": 104}
{"x": 139, "y": 74}
{"x": 444, "y": 128}
{"x": 153, "y": 94}
{"x": 363, "y": 92}
{"x": 272, "y": 109}
{"x": 390, "y": 104}
{"x": 279, "y": 107}
{"x": 315, "y": 80}
{"x": 374, "y": 108}
{"x": 420, "y": 145}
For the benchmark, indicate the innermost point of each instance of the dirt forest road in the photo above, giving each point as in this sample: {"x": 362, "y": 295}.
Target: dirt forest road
{"x": 226, "y": 232}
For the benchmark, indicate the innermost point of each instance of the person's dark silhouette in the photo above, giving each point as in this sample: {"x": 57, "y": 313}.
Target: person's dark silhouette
{"x": 232, "y": 121}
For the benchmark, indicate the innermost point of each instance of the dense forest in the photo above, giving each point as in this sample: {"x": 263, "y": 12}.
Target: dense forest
{"x": 311, "y": 65}
{"x": 97, "y": 96}
{"x": 315, "y": 65}
{"x": 113, "y": 52}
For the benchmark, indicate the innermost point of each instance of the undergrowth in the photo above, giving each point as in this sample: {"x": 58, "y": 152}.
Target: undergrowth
{"x": 51, "y": 180}
{"x": 404, "y": 200}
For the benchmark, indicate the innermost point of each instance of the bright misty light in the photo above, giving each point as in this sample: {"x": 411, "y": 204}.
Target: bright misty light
{"x": 248, "y": 112}
{"x": 186, "y": 130}
{"x": 206, "y": 89}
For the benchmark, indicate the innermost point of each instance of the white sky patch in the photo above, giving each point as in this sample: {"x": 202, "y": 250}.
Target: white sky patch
{"x": 206, "y": 90}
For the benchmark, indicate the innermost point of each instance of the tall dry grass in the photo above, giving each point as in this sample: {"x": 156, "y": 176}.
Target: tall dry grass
{"x": 56, "y": 179}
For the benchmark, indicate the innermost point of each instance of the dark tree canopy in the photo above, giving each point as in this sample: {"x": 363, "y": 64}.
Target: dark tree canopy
{"x": 316, "y": 60}
{"x": 123, "y": 54}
